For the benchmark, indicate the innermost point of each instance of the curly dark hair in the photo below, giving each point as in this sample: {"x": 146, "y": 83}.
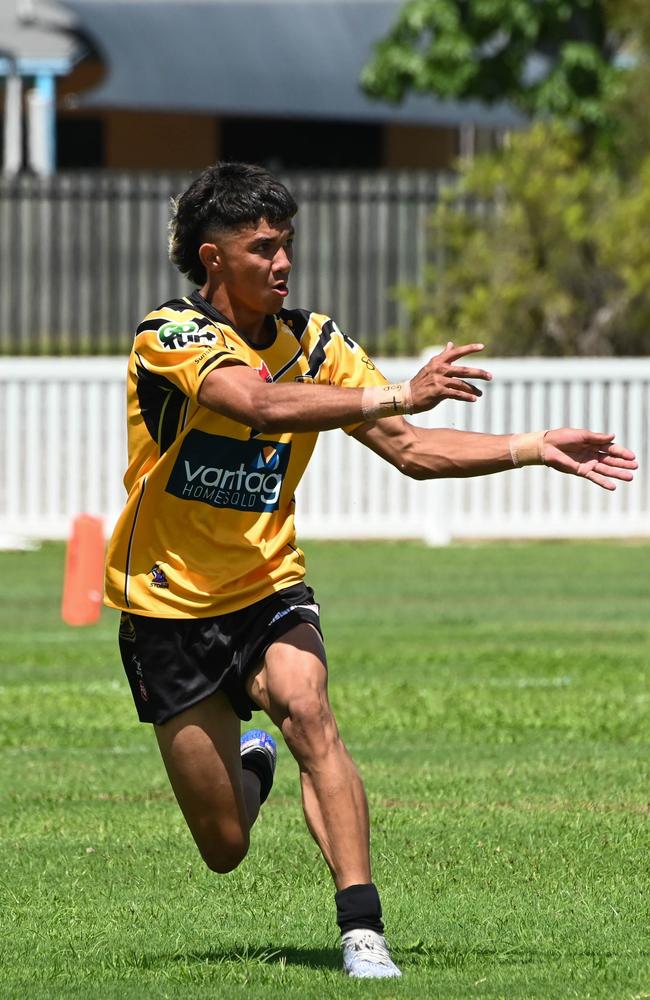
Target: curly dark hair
{"x": 226, "y": 196}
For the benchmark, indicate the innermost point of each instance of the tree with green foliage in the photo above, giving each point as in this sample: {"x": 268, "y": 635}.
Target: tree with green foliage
{"x": 548, "y": 57}
{"x": 632, "y": 108}
{"x": 535, "y": 251}
{"x": 541, "y": 248}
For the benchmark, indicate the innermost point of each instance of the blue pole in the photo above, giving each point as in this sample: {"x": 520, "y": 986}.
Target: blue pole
{"x": 46, "y": 87}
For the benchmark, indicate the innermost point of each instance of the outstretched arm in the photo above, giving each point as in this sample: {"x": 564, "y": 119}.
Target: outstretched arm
{"x": 239, "y": 393}
{"x": 438, "y": 454}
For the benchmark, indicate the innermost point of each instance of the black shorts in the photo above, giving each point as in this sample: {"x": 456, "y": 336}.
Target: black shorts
{"x": 172, "y": 663}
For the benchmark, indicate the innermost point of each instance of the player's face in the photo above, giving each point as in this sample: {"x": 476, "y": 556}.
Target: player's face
{"x": 255, "y": 262}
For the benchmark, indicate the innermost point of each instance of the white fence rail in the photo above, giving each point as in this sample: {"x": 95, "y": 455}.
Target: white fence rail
{"x": 63, "y": 452}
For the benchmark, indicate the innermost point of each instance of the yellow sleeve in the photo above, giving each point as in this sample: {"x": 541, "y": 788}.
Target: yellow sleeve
{"x": 336, "y": 359}
{"x": 183, "y": 347}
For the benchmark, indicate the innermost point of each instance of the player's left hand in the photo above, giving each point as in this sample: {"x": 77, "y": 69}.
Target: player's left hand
{"x": 593, "y": 456}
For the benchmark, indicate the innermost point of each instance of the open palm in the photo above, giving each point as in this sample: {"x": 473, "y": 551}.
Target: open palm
{"x": 592, "y": 456}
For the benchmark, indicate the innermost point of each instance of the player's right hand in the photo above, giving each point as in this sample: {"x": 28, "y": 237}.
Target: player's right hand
{"x": 442, "y": 379}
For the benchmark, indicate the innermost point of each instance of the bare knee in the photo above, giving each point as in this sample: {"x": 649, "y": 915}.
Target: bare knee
{"x": 310, "y": 728}
{"x": 224, "y": 854}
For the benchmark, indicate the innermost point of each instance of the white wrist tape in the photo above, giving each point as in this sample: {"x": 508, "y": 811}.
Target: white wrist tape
{"x": 527, "y": 449}
{"x": 386, "y": 400}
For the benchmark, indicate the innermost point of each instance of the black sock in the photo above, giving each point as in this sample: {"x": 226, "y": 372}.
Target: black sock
{"x": 257, "y": 764}
{"x": 358, "y": 908}
{"x": 255, "y": 779}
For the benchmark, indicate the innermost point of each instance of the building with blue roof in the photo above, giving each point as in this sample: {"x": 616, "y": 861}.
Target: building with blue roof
{"x": 167, "y": 84}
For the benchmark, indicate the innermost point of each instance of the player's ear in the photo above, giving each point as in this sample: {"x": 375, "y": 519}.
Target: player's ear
{"x": 210, "y": 257}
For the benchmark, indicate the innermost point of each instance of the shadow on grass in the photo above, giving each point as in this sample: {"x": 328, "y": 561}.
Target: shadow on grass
{"x": 315, "y": 958}
{"x": 416, "y": 955}
{"x": 455, "y": 958}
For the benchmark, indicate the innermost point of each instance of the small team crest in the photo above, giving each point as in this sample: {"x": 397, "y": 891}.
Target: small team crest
{"x": 158, "y": 578}
{"x": 175, "y": 335}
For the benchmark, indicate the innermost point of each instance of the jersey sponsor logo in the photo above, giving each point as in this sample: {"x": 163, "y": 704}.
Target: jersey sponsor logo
{"x": 264, "y": 373}
{"x": 175, "y": 335}
{"x": 268, "y": 458}
{"x": 224, "y": 472}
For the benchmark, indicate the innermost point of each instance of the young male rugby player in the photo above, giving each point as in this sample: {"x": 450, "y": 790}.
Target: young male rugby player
{"x": 227, "y": 391}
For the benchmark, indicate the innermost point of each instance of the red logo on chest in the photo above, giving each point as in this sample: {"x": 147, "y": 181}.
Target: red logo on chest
{"x": 264, "y": 373}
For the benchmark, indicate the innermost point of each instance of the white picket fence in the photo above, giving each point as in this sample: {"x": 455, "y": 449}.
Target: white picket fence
{"x": 63, "y": 452}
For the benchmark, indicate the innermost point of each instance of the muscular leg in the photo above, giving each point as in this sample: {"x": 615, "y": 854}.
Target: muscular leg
{"x": 291, "y": 687}
{"x": 220, "y": 802}
{"x": 200, "y": 748}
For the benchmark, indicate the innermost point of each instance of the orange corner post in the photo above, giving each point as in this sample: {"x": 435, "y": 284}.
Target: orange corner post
{"x": 84, "y": 572}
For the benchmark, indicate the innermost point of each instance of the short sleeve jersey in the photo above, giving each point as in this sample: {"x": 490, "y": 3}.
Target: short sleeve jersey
{"x": 208, "y": 526}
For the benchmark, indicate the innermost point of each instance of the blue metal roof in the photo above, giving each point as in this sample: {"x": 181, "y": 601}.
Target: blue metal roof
{"x": 275, "y": 58}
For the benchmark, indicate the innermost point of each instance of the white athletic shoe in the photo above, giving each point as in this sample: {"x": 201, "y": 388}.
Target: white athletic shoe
{"x": 366, "y": 956}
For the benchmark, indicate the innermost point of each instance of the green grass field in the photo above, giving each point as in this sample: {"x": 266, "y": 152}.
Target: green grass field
{"x": 496, "y": 699}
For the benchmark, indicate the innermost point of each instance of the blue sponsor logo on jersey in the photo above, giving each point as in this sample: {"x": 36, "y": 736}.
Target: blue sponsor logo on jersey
{"x": 224, "y": 472}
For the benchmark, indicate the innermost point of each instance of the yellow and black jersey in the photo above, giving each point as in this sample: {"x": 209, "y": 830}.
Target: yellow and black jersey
{"x": 208, "y": 526}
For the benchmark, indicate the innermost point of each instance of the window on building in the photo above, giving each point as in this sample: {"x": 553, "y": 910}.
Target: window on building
{"x": 285, "y": 145}
{"x": 79, "y": 143}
